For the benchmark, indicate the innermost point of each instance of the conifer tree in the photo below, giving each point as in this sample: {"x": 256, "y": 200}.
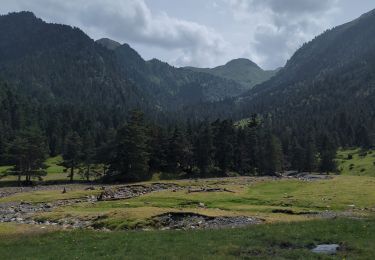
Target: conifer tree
{"x": 28, "y": 151}
{"x": 203, "y": 149}
{"x": 72, "y": 154}
{"x": 132, "y": 151}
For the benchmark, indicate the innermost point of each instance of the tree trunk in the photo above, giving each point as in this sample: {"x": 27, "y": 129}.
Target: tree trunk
{"x": 88, "y": 173}
{"x": 71, "y": 174}
{"x": 19, "y": 179}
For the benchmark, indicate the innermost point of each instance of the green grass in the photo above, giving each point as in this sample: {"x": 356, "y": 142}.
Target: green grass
{"x": 362, "y": 164}
{"x": 259, "y": 199}
{"x": 55, "y": 172}
{"x": 275, "y": 241}
{"x": 53, "y": 166}
{"x": 48, "y": 196}
{"x": 3, "y": 169}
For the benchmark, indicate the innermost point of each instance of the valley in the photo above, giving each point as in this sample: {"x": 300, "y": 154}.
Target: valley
{"x": 318, "y": 210}
{"x": 106, "y": 153}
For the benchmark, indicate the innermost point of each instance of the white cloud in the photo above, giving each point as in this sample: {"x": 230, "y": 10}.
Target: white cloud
{"x": 277, "y": 28}
{"x": 131, "y": 21}
{"x": 266, "y": 31}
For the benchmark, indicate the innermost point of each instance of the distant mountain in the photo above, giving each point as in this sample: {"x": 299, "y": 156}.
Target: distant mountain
{"x": 327, "y": 87}
{"x": 109, "y": 44}
{"x": 243, "y": 71}
{"x": 60, "y": 64}
{"x": 173, "y": 86}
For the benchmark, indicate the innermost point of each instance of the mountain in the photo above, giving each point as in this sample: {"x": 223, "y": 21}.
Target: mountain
{"x": 172, "y": 87}
{"x": 61, "y": 64}
{"x": 108, "y": 43}
{"x": 243, "y": 71}
{"x": 326, "y": 88}
{"x": 328, "y": 85}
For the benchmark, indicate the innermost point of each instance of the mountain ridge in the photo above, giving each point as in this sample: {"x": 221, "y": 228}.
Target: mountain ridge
{"x": 241, "y": 70}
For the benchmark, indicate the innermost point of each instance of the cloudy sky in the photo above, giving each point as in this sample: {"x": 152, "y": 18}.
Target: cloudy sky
{"x": 202, "y": 33}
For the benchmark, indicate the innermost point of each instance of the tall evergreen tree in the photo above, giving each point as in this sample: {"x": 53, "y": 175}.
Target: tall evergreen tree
{"x": 203, "y": 149}
{"x": 177, "y": 152}
{"x": 28, "y": 151}
{"x": 132, "y": 151}
{"x": 327, "y": 155}
{"x": 223, "y": 141}
{"x": 72, "y": 154}
{"x": 272, "y": 161}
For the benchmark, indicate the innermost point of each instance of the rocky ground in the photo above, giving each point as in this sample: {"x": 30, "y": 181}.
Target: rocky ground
{"x": 24, "y": 212}
{"x": 184, "y": 221}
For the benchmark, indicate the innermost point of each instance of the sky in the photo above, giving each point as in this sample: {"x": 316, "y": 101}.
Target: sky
{"x": 201, "y": 33}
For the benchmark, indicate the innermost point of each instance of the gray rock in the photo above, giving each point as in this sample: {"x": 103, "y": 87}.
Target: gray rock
{"x": 326, "y": 249}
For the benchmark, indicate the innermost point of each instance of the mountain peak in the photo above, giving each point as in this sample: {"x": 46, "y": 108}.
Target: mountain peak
{"x": 242, "y": 62}
{"x": 109, "y": 43}
{"x": 27, "y": 14}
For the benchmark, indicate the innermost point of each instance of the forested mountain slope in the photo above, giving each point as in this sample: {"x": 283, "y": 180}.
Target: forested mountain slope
{"x": 328, "y": 85}
{"x": 61, "y": 63}
{"x": 172, "y": 87}
{"x": 243, "y": 71}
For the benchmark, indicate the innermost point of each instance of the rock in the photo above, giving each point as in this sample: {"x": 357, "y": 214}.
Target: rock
{"x": 330, "y": 249}
{"x": 201, "y": 205}
{"x": 48, "y": 205}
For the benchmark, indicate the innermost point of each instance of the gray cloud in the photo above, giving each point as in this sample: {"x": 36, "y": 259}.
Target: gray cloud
{"x": 266, "y": 31}
{"x": 131, "y": 21}
{"x": 280, "y": 27}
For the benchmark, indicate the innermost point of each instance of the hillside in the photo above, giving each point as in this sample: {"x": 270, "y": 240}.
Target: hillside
{"x": 326, "y": 88}
{"x": 173, "y": 87}
{"x": 64, "y": 65}
{"x": 243, "y": 71}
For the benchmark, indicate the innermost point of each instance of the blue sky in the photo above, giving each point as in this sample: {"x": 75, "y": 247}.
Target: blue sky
{"x": 201, "y": 33}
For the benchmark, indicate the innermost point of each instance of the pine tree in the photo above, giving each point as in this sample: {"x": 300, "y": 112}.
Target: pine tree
{"x": 88, "y": 157}
{"x": 177, "y": 152}
{"x": 328, "y": 153}
{"x": 203, "y": 149}
{"x": 223, "y": 142}
{"x": 298, "y": 156}
{"x": 72, "y": 154}
{"x": 158, "y": 149}
{"x": 272, "y": 162}
{"x": 132, "y": 156}
{"x": 310, "y": 159}
{"x": 28, "y": 151}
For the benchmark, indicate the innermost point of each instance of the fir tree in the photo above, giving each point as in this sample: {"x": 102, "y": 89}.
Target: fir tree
{"x": 72, "y": 154}
{"x": 132, "y": 156}
{"x": 28, "y": 151}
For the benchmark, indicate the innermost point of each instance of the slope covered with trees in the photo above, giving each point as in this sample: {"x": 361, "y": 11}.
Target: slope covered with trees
{"x": 243, "y": 71}
{"x": 77, "y": 94}
{"x": 327, "y": 88}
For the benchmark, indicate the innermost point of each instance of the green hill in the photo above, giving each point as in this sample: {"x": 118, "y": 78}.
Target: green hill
{"x": 243, "y": 71}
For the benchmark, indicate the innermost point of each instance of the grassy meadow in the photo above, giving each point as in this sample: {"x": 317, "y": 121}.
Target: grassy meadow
{"x": 273, "y": 241}
{"x": 293, "y": 213}
{"x": 356, "y": 162}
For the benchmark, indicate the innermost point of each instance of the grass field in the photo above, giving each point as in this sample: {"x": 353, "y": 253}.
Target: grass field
{"x": 55, "y": 172}
{"x": 262, "y": 198}
{"x": 274, "y": 241}
{"x": 361, "y": 163}
{"x": 292, "y": 211}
